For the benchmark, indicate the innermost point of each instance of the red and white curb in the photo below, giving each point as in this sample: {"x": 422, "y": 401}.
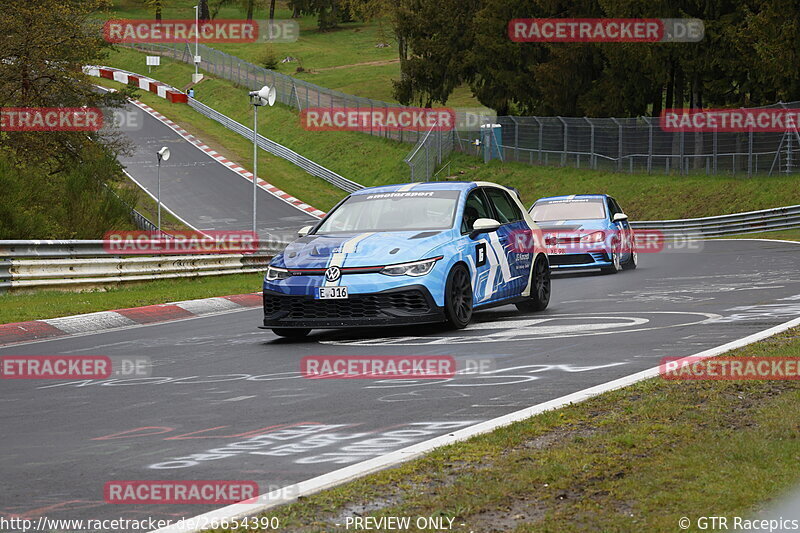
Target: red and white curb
{"x": 143, "y": 82}
{"x": 123, "y": 77}
{"x": 286, "y": 197}
{"x": 121, "y": 318}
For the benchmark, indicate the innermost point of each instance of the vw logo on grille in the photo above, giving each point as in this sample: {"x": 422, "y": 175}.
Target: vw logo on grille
{"x": 333, "y": 273}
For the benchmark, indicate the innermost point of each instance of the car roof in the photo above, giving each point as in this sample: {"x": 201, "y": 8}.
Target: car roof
{"x": 573, "y": 197}
{"x": 431, "y": 185}
{"x": 420, "y": 186}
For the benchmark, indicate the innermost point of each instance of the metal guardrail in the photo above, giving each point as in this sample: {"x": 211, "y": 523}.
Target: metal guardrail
{"x": 780, "y": 218}
{"x": 42, "y": 264}
{"x": 277, "y": 149}
{"x": 264, "y": 143}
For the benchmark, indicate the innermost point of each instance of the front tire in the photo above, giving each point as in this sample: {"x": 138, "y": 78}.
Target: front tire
{"x": 633, "y": 259}
{"x": 631, "y": 263}
{"x": 616, "y": 266}
{"x": 540, "y": 287}
{"x": 291, "y": 333}
{"x": 458, "y": 297}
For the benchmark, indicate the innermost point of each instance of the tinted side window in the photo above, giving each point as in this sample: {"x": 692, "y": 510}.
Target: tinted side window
{"x": 507, "y": 210}
{"x": 613, "y": 209}
{"x": 475, "y": 208}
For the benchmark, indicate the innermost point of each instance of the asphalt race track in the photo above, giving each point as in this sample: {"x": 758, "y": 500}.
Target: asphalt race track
{"x": 200, "y": 190}
{"x": 226, "y": 400}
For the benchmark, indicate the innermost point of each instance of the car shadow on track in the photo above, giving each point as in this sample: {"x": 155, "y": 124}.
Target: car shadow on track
{"x": 577, "y": 274}
{"x": 420, "y": 330}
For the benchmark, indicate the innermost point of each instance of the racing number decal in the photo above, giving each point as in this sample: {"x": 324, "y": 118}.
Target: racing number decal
{"x": 480, "y": 254}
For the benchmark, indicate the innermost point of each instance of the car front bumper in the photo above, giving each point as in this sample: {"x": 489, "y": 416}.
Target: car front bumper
{"x": 595, "y": 259}
{"x": 410, "y": 304}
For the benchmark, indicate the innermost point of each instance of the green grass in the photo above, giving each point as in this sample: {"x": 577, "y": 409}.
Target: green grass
{"x": 637, "y": 459}
{"x": 149, "y": 208}
{"x": 19, "y": 307}
{"x": 642, "y": 196}
{"x": 374, "y": 161}
{"x": 350, "y": 45}
{"x": 362, "y": 158}
{"x": 786, "y": 235}
{"x": 275, "y": 170}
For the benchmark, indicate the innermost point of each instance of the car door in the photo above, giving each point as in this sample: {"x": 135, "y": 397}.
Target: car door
{"x": 624, "y": 228}
{"x": 514, "y": 262}
{"x": 478, "y": 253}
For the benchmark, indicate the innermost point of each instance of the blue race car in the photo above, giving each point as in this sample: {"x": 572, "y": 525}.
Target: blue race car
{"x": 408, "y": 254}
{"x": 586, "y": 231}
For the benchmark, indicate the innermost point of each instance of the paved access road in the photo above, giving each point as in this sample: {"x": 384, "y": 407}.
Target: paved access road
{"x": 226, "y": 400}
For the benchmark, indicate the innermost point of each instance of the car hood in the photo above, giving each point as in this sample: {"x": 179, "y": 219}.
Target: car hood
{"x": 361, "y": 249}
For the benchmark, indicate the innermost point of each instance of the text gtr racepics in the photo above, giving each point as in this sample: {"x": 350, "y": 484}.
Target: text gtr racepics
{"x": 409, "y": 254}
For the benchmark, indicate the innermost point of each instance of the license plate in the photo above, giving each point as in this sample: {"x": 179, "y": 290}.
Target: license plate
{"x": 332, "y": 293}
{"x": 556, "y": 251}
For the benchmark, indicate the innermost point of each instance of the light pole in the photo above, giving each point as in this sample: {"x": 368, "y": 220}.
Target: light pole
{"x": 264, "y": 96}
{"x": 196, "y": 76}
{"x": 163, "y": 155}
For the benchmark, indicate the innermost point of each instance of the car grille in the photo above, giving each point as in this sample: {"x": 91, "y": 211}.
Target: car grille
{"x": 397, "y": 303}
{"x": 571, "y": 259}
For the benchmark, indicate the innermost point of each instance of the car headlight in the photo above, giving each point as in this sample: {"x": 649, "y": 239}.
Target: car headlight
{"x": 276, "y": 274}
{"x": 597, "y": 236}
{"x": 415, "y": 268}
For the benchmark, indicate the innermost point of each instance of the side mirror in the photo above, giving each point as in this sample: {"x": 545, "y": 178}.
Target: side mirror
{"x": 619, "y": 217}
{"x": 302, "y": 232}
{"x": 484, "y": 225}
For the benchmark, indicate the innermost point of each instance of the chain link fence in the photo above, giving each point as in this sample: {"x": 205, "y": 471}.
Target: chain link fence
{"x": 616, "y": 144}
{"x": 640, "y": 145}
{"x": 291, "y": 92}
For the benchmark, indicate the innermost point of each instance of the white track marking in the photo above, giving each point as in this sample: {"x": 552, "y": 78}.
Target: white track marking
{"x": 332, "y": 479}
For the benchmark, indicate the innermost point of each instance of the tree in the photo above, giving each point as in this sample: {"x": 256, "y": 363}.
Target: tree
{"x": 156, "y": 6}
{"x": 203, "y": 12}
{"x": 748, "y": 57}
{"x": 433, "y": 37}
{"x": 44, "y": 46}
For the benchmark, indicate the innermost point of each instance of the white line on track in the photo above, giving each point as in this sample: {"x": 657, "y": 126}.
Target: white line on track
{"x": 337, "y": 477}
{"x": 163, "y": 205}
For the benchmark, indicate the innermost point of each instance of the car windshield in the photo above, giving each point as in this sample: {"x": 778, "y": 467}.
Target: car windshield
{"x": 575, "y": 209}
{"x": 394, "y": 211}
